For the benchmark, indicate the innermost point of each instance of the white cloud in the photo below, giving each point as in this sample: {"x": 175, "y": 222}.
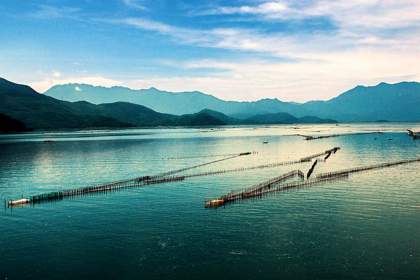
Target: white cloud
{"x": 224, "y": 38}
{"x": 252, "y": 80}
{"x": 52, "y": 12}
{"x": 56, "y": 74}
{"x": 264, "y": 8}
{"x": 355, "y": 13}
{"x": 44, "y": 83}
{"x": 292, "y": 45}
{"x": 375, "y": 41}
{"x": 369, "y": 13}
{"x": 134, "y": 4}
{"x": 151, "y": 25}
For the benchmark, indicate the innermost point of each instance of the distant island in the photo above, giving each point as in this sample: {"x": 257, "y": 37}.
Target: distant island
{"x": 84, "y": 106}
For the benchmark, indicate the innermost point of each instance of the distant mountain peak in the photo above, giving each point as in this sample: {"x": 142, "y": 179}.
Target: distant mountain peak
{"x": 207, "y": 111}
{"x": 153, "y": 89}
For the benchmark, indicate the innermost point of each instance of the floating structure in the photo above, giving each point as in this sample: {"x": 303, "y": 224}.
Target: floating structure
{"x": 311, "y": 169}
{"x": 366, "y": 168}
{"x": 19, "y": 202}
{"x": 254, "y": 190}
{"x": 116, "y": 185}
{"x": 275, "y": 184}
{"x": 327, "y": 154}
{"x": 58, "y": 195}
{"x": 311, "y": 137}
{"x": 164, "y": 174}
{"x": 160, "y": 178}
{"x": 414, "y": 135}
{"x": 263, "y": 166}
{"x": 271, "y": 186}
{"x": 209, "y": 156}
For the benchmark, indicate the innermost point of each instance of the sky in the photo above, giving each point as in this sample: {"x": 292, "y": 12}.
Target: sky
{"x": 236, "y": 50}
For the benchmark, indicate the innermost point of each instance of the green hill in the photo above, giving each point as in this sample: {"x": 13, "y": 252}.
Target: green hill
{"x": 8, "y": 124}
{"x": 38, "y": 111}
{"x": 23, "y": 108}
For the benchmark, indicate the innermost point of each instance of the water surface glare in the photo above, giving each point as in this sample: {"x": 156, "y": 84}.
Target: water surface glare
{"x": 365, "y": 227}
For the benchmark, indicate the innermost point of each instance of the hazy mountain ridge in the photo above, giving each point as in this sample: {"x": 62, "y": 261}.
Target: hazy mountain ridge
{"x": 177, "y": 103}
{"x": 392, "y": 102}
{"x": 21, "y": 105}
{"x": 285, "y": 118}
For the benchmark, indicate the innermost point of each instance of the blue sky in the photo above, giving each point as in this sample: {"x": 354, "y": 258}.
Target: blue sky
{"x": 237, "y": 50}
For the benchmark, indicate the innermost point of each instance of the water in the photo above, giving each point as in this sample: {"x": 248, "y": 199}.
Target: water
{"x": 366, "y": 227}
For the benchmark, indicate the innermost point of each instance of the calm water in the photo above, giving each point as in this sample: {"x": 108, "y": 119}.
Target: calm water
{"x": 366, "y": 227}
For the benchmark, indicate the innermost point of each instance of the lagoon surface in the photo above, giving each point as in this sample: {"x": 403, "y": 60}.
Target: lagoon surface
{"x": 364, "y": 227}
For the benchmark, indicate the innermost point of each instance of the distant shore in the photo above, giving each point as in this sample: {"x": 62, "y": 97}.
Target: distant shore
{"x": 116, "y": 129}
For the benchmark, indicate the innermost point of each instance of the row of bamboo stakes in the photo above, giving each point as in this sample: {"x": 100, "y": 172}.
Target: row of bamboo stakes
{"x": 275, "y": 184}
{"x": 164, "y": 177}
{"x": 311, "y": 137}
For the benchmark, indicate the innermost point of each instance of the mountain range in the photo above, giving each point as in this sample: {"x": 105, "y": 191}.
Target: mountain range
{"x": 86, "y": 106}
{"x": 392, "y": 102}
{"x": 22, "y": 108}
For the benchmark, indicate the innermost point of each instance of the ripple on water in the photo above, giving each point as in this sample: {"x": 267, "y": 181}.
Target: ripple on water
{"x": 362, "y": 227}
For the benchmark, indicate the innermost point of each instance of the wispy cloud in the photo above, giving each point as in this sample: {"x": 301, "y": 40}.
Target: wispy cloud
{"x": 295, "y": 46}
{"x": 227, "y": 38}
{"x": 151, "y": 25}
{"x": 357, "y": 13}
{"x": 265, "y": 8}
{"x": 134, "y": 4}
{"x": 223, "y": 38}
{"x": 369, "y": 13}
{"x": 53, "y": 12}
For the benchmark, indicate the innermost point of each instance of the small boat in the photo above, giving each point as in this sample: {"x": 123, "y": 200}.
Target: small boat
{"x": 18, "y": 202}
{"x": 214, "y": 203}
{"x": 414, "y": 135}
{"x": 265, "y": 142}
